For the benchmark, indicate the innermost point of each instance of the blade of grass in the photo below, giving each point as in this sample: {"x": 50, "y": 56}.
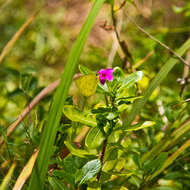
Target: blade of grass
{"x": 7, "y": 178}
{"x": 165, "y": 143}
{"x": 12, "y": 41}
{"x": 27, "y": 170}
{"x": 155, "y": 83}
{"x": 171, "y": 159}
{"x": 158, "y": 41}
{"x": 50, "y": 128}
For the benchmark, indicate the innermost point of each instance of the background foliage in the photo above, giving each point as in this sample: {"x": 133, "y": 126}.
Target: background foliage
{"x": 152, "y": 152}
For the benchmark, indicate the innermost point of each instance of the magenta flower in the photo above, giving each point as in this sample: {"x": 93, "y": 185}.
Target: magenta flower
{"x": 105, "y": 74}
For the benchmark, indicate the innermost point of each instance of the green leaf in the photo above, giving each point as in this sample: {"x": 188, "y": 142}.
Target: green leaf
{"x": 89, "y": 170}
{"x": 57, "y": 184}
{"x": 79, "y": 162}
{"x": 141, "y": 126}
{"x": 84, "y": 70}
{"x": 154, "y": 84}
{"x": 131, "y": 79}
{"x": 94, "y": 186}
{"x": 136, "y": 181}
{"x": 52, "y": 123}
{"x": 152, "y": 166}
{"x": 69, "y": 165}
{"x": 75, "y": 115}
{"x": 174, "y": 175}
{"x": 177, "y": 10}
{"x": 94, "y": 138}
{"x": 159, "y": 161}
{"x": 136, "y": 159}
{"x": 66, "y": 176}
{"x": 118, "y": 73}
{"x": 75, "y": 151}
{"x": 111, "y": 159}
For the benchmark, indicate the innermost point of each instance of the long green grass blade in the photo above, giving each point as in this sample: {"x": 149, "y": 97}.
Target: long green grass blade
{"x": 7, "y": 178}
{"x": 50, "y": 128}
{"x": 156, "y": 81}
{"x": 171, "y": 159}
{"x": 165, "y": 143}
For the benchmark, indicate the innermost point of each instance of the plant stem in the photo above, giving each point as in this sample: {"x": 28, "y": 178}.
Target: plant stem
{"x": 158, "y": 41}
{"x": 123, "y": 45}
{"x": 106, "y": 99}
{"x": 102, "y": 157}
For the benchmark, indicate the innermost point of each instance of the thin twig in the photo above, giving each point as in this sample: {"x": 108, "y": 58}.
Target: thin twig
{"x": 115, "y": 44}
{"x": 128, "y": 57}
{"x": 158, "y": 41}
{"x": 179, "y": 104}
{"x": 121, "y": 6}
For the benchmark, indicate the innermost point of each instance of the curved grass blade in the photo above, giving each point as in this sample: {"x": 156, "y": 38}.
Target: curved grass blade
{"x": 155, "y": 83}
{"x": 12, "y": 41}
{"x": 7, "y": 178}
{"x": 27, "y": 170}
{"x": 165, "y": 143}
{"x": 171, "y": 159}
{"x": 50, "y": 129}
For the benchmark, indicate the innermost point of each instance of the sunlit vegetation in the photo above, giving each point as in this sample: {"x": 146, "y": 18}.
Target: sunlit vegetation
{"x": 94, "y": 95}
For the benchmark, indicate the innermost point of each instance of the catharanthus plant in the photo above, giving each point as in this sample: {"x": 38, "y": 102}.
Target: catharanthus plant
{"x": 105, "y": 74}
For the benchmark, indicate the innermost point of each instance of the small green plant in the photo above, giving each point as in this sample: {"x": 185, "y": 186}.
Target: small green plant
{"x": 103, "y": 139}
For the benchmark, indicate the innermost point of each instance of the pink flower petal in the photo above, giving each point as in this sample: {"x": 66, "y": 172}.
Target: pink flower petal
{"x": 109, "y": 77}
{"x": 101, "y": 71}
{"x": 105, "y": 74}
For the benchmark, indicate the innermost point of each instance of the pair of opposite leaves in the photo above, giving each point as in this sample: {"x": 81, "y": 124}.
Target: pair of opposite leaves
{"x": 87, "y": 84}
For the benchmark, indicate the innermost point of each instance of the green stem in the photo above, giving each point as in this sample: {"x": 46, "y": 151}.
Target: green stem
{"x": 106, "y": 99}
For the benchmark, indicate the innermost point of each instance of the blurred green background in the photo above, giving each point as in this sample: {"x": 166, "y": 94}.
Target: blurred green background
{"x": 39, "y": 55}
